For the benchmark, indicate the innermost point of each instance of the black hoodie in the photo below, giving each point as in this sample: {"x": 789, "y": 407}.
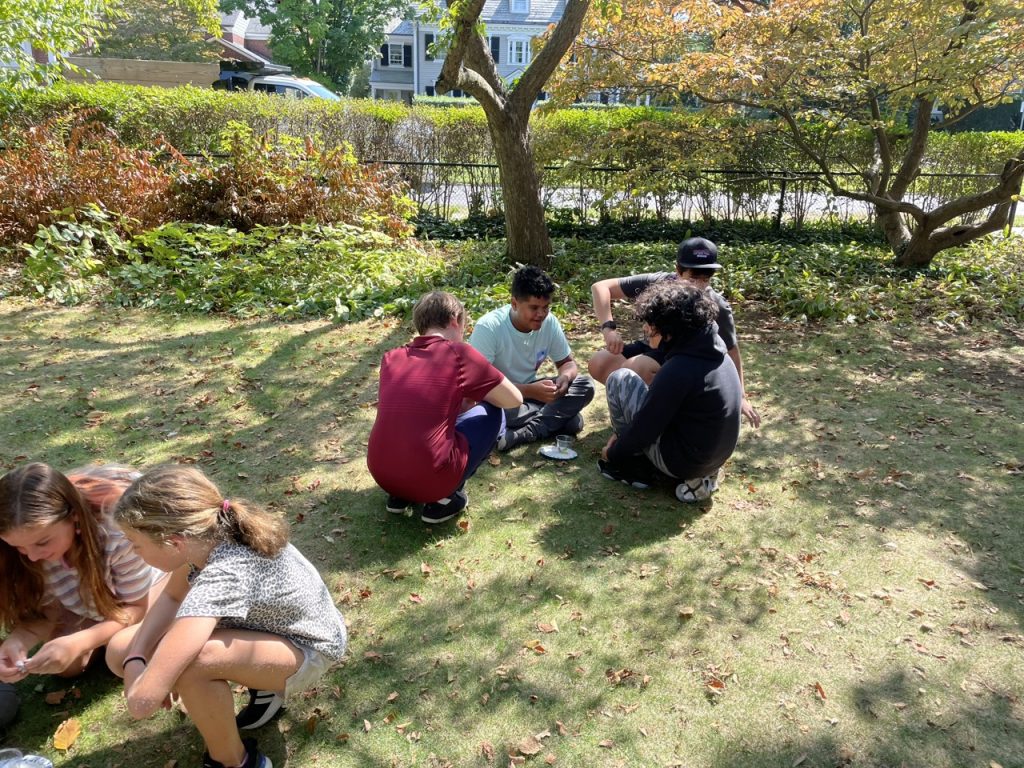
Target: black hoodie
{"x": 693, "y": 404}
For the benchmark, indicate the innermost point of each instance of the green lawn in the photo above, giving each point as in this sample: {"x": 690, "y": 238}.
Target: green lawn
{"x": 853, "y": 596}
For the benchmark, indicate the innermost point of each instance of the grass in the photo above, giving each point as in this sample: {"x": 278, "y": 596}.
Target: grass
{"x": 853, "y": 595}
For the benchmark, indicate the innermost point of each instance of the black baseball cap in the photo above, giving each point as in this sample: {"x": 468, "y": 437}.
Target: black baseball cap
{"x": 697, "y": 253}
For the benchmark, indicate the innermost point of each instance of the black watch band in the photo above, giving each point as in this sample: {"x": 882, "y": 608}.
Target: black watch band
{"x": 609, "y": 324}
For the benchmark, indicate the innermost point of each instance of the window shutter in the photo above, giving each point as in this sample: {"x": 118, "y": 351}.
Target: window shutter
{"x": 429, "y": 90}
{"x": 496, "y": 49}
{"x": 428, "y": 40}
{"x": 406, "y": 55}
{"x": 384, "y": 55}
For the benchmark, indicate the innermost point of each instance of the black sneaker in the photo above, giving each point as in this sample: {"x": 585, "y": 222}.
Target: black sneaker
{"x": 397, "y": 506}
{"x": 260, "y": 710}
{"x": 513, "y": 438}
{"x": 627, "y": 475}
{"x": 444, "y": 510}
{"x": 253, "y": 757}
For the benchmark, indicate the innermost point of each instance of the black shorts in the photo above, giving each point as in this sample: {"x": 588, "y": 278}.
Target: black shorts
{"x": 636, "y": 348}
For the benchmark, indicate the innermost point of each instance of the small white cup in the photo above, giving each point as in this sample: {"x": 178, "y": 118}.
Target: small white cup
{"x": 564, "y": 443}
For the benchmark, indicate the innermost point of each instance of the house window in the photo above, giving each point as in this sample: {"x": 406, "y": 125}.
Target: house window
{"x": 395, "y": 55}
{"x": 519, "y": 50}
{"x": 520, "y": 6}
{"x": 429, "y": 90}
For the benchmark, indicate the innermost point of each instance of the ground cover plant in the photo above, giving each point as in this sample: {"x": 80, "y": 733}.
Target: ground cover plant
{"x": 853, "y": 595}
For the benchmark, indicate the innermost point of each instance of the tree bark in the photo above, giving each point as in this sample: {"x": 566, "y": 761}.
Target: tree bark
{"x": 469, "y": 66}
{"x": 526, "y": 232}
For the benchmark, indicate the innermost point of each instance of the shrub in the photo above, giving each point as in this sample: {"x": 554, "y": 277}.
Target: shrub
{"x": 69, "y": 163}
{"x": 292, "y": 271}
{"x": 263, "y": 183}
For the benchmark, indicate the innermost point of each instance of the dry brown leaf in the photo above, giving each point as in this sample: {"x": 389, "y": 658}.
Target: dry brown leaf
{"x": 311, "y": 724}
{"x": 392, "y": 696}
{"x": 547, "y": 628}
{"x": 550, "y": 759}
{"x": 529, "y": 746}
{"x": 487, "y": 750}
{"x": 606, "y": 743}
{"x": 55, "y": 697}
{"x": 367, "y": 726}
{"x": 425, "y": 569}
{"x": 820, "y": 691}
{"x": 66, "y": 734}
{"x": 414, "y": 598}
{"x": 686, "y": 612}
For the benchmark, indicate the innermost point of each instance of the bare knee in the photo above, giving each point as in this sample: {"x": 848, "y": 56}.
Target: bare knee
{"x": 603, "y": 363}
{"x": 645, "y": 367}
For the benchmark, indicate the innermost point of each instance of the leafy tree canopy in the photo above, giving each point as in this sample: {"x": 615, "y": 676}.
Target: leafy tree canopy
{"x": 174, "y": 30}
{"x": 54, "y": 27}
{"x": 325, "y": 39}
{"x": 827, "y": 67}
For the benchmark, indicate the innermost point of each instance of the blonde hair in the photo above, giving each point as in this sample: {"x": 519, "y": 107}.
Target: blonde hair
{"x": 175, "y": 500}
{"x": 36, "y": 495}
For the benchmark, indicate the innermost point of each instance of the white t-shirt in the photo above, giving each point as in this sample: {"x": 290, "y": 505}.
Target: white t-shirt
{"x": 516, "y": 354}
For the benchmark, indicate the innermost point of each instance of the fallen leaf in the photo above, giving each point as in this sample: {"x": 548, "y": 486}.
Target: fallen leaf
{"x": 978, "y": 585}
{"x": 494, "y": 461}
{"x": 529, "y": 746}
{"x": 55, "y": 697}
{"x": 66, "y": 734}
{"x": 686, "y": 612}
{"x": 171, "y": 764}
{"x": 367, "y": 726}
{"x": 487, "y": 750}
{"x": 547, "y": 628}
{"x": 425, "y": 569}
{"x": 550, "y": 759}
{"x": 464, "y": 525}
{"x": 413, "y": 597}
{"x": 311, "y": 723}
{"x": 820, "y": 691}
{"x": 606, "y": 743}
{"x": 535, "y": 646}
{"x": 392, "y": 696}
{"x": 799, "y": 760}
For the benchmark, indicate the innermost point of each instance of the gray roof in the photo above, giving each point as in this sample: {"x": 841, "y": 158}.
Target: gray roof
{"x": 500, "y": 12}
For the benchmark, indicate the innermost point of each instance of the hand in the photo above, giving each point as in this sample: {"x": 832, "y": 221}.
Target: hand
{"x": 612, "y": 340}
{"x": 544, "y": 391}
{"x": 55, "y": 656}
{"x": 750, "y": 413}
{"x": 12, "y": 652}
{"x": 561, "y": 386}
{"x": 608, "y": 447}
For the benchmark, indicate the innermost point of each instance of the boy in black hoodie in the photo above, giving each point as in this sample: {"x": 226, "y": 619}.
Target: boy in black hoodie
{"x": 687, "y": 422}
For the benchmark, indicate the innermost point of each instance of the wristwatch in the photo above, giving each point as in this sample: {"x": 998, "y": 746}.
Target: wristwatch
{"x": 609, "y": 324}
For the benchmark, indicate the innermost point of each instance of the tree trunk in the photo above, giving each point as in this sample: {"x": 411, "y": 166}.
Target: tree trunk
{"x": 526, "y": 233}
{"x": 896, "y": 232}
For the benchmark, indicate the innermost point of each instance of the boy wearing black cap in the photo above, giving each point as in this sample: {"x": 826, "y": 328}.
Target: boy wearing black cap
{"x": 697, "y": 262}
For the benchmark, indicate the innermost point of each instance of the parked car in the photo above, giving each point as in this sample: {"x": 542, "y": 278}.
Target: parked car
{"x": 246, "y": 76}
{"x": 292, "y": 87}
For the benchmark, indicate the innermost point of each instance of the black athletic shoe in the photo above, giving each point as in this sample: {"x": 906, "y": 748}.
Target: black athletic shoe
{"x": 261, "y": 709}
{"x": 627, "y": 475}
{"x": 444, "y": 510}
{"x": 253, "y": 757}
{"x": 397, "y": 506}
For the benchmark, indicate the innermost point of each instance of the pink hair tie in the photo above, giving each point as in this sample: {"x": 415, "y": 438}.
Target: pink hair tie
{"x": 225, "y": 505}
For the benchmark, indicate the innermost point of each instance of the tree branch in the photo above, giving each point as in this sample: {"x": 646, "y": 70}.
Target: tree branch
{"x": 543, "y": 65}
{"x": 454, "y": 73}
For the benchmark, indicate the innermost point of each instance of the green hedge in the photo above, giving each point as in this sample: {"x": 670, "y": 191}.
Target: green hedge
{"x": 665, "y": 152}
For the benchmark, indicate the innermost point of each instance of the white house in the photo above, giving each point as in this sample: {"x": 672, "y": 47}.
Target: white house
{"x": 405, "y": 66}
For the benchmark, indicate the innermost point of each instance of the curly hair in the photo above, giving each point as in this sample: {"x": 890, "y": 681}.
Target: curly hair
{"x": 676, "y": 309}
{"x": 531, "y": 281}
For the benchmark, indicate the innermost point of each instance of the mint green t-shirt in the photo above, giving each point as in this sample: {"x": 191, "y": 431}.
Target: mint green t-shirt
{"x": 516, "y": 354}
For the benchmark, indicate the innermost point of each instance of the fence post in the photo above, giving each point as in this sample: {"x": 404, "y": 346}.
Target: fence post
{"x": 777, "y": 224}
